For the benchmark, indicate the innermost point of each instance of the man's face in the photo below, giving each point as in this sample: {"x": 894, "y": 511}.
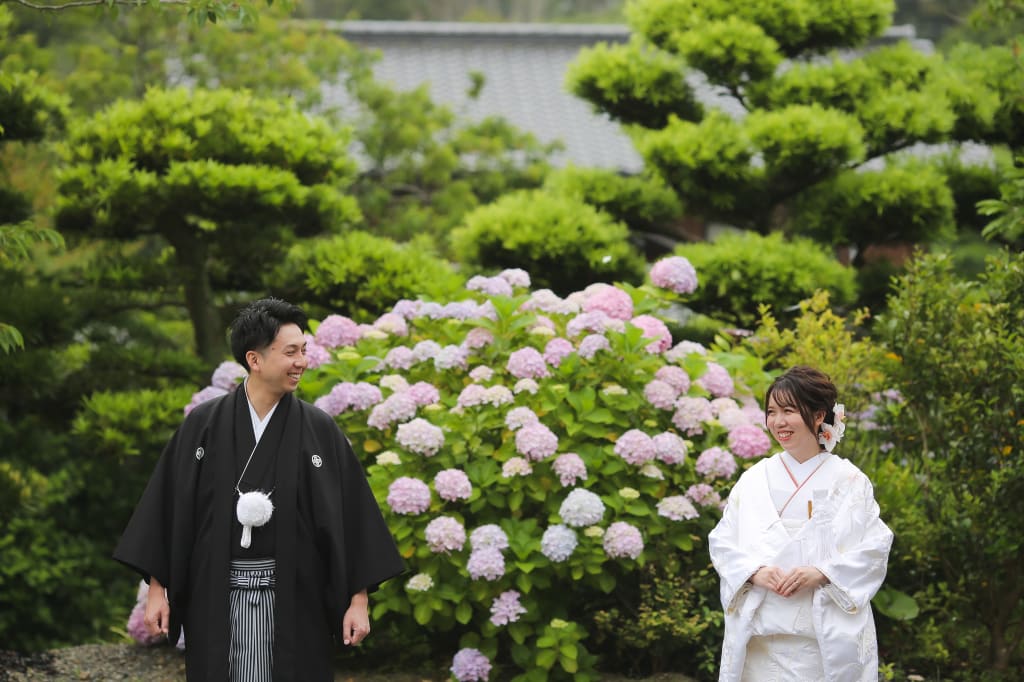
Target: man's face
{"x": 280, "y": 365}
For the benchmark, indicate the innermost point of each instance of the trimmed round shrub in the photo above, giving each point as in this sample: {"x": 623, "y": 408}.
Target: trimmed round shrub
{"x": 742, "y": 270}
{"x": 561, "y": 241}
{"x": 357, "y": 274}
{"x": 642, "y": 203}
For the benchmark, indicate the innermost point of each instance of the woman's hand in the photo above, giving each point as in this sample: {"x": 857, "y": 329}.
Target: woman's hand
{"x": 768, "y": 577}
{"x": 801, "y": 578}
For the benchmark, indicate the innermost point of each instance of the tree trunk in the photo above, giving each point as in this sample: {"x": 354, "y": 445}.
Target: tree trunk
{"x": 191, "y": 255}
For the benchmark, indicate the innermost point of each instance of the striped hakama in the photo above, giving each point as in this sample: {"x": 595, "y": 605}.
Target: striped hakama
{"x": 252, "y": 620}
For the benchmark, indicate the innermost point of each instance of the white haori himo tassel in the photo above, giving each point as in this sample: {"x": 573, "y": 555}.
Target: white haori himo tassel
{"x": 253, "y": 509}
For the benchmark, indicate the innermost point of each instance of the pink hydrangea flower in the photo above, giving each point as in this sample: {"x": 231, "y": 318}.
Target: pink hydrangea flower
{"x": 445, "y": 534}
{"x": 425, "y": 350}
{"x": 451, "y": 357}
{"x": 392, "y": 323}
{"x": 558, "y": 543}
{"x": 669, "y": 448}
{"x": 470, "y": 665}
{"x": 406, "y": 309}
{"x": 556, "y": 350}
{"x": 481, "y": 373}
{"x": 623, "y": 540}
{"x": 704, "y": 495}
{"x": 200, "y": 397}
{"x": 611, "y": 301}
{"x": 528, "y": 385}
{"x": 506, "y": 608}
{"x": 400, "y": 357}
{"x": 229, "y": 373}
{"x": 635, "y": 446}
{"x": 549, "y": 302}
{"x": 581, "y": 508}
{"x": 677, "y": 508}
{"x": 682, "y": 349}
{"x": 421, "y": 437}
{"x": 471, "y": 396}
{"x": 661, "y": 394}
{"x": 674, "y": 273}
{"x": 408, "y": 495}
{"x": 517, "y": 277}
{"x": 496, "y": 396}
{"x": 570, "y": 468}
{"x": 453, "y": 484}
{"x": 516, "y": 466}
{"x": 487, "y": 563}
{"x": 595, "y": 321}
{"x": 536, "y": 442}
{"x": 491, "y": 286}
{"x": 716, "y": 463}
{"x": 346, "y": 395}
{"x": 424, "y": 393}
{"x": 676, "y": 377}
{"x": 719, "y": 406}
{"x": 653, "y": 329}
{"x": 691, "y": 413}
{"x": 478, "y": 338}
{"x": 518, "y": 417}
{"x": 397, "y": 407}
{"x": 716, "y": 380}
{"x": 527, "y": 363}
{"x": 337, "y": 330}
{"x": 749, "y": 441}
{"x": 591, "y": 344}
{"x": 316, "y": 355}
{"x": 489, "y": 535}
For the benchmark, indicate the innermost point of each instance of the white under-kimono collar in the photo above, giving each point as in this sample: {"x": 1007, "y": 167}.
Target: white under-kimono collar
{"x": 258, "y": 425}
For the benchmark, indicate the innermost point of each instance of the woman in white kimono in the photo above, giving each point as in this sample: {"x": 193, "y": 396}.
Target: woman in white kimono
{"x": 800, "y": 549}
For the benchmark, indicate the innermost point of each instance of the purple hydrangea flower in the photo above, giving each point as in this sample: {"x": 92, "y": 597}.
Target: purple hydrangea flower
{"x": 491, "y": 286}
{"x": 392, "y": 323}
{"x": 682, "y": 349}
{"x": 430, "y": 310}
{"x": 653, "y": 329}
{"x": 408, "y": 496}
{"x": 461, "y": 310}
{"x": 200, "y": 397}
{"x": 424, "y": 393}
{"x": 316, "y": 355}
{"x": 623, "y": 540}
{"x": 556, "y": 350}
{"x": 469, "y": 665}
{"x": 517, "y": 277}
{"x": 487, "y": 563}
{"x": 595, "y": 321}
{"x": 661, "y": 394}
{"x": 549, "y": 302}
{"x": 716, "y": 380}
{"x": 581, "y": 508}
{"x": 518, "y": 417}
{"x": 635, "y": 446}
{"x": 691, "y": 413}
{"x": 451, "y": 357}
{"x": 677, "y": 508}
{"x": 406, "y": 309}
{"x": 337, "y": 330}
{"x": 748, "y": 441}
{"x": 477, "y": 338}
{"x": 421, "y": 437}
{"x": 570, "y": 468}
{"x": 425, "y": 350}
{"x": 676, "y": 377}
{"x": 669, "y": 448}
{"x": 445, "y": 534}
{"x": 716, "y": 463}
{"x": 398, "y": 407}
{"x": 506, "y": 608}
{"x": 704, "y": 495}
{"x": 558, "y": 543}
{"x": 400, "y": 357}
{"x": 471, "y": 396}
{"x": 229, "y": 373}
{"x": 453, "y": 484}
{"x": 488, "y": 535}
{"x": 536, "y": 441}
{"x": 674, "y": 273}
{"x": 611, "y": 301}
{"x": 591, "y": 344}
{"x": 527, "y": 363}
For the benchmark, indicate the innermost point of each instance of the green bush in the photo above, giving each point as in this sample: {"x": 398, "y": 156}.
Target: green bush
{"x": 641, "y": 202}
{"x": 357, "y": 274}
{"x": 739, "y": 271}
{"x": 562, "y": 242}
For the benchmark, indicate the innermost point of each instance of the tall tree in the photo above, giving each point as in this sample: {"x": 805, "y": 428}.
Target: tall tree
{"x": 803, "y": 134}
{"x": 225, "y": 178}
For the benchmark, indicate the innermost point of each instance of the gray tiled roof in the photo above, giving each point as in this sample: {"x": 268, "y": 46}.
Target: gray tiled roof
{"x": 524, "y": 68}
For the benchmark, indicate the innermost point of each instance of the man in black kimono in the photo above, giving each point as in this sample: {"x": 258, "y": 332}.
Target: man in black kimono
{"x": 326, "y": 542}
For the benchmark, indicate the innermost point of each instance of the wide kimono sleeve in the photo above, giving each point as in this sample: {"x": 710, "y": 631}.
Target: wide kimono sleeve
{"x": 734, "y": 559}
{"x": 854, "y": 545}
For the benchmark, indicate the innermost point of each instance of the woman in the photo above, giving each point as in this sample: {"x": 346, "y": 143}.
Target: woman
{"x": 800, "y": 549}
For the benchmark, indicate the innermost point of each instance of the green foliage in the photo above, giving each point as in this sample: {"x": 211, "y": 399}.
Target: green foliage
{"x": 564, "y": 243}
{"x": 642, "y": 203}
{"x": 960, "y": 365}
{"x": 633, "y": 85}
{"x": 802, "y": 142}
{"x": 740, "y": 271}
{"x": 907, "y": 201}
{"x": 27, "y": 111}
{"x": 1007, "y": 212}
{"x": 223, "y": 177}
{"x": 356, "y": 273}
{"x": 731, "y": 51}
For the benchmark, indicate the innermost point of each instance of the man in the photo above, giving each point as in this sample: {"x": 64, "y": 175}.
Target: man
{"x": 258, "y": 598}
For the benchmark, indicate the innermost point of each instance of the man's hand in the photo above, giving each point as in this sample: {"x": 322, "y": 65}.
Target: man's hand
{"x": 158, "y": 611}
{"x": 801, "y": 578}
{"x": 356, "y": 624}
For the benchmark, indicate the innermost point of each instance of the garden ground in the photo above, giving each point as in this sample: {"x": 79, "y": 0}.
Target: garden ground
{"x": 134, "y": 663}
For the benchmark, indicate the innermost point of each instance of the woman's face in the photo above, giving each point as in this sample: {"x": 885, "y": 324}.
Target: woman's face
{"x": 787, "y": 426}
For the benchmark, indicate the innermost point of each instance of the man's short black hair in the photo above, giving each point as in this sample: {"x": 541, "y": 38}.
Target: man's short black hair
{"x": 258, "y": 323}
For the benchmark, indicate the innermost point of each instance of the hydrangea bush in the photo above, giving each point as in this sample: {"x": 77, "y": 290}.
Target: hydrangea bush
{"x": 532, "y": 452}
